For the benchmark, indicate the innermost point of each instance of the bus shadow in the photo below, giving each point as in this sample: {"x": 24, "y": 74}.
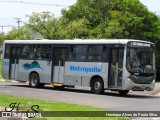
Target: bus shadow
{"x": 132, "y": 95}
{"x": 87, "y": 91}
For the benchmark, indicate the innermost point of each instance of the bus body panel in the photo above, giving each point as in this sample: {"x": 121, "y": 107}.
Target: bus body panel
{"x": 23, "y": 74}
{"x": 13, "y": 71}
{"x": 130, "y": 85}
{"x": 5, "y": 68}
{"x": 80, "y": 73}
{"x": 42, "y": 67}
{"x": 58, "y": 74}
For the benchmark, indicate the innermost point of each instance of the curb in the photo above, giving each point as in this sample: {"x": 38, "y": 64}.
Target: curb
{"x": 9, "y": 81}
{"x": 158, "y": 94}
{"x": 13, "y": 81}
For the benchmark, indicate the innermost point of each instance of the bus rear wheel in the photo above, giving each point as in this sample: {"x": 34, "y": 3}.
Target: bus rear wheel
{"x": 97, "y": 86}
{"x": 34, "y": 81}
{"x": 123, "y": 92}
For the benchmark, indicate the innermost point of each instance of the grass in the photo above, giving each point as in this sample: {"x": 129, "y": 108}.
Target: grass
{"x": 6, "y": 100}
{"x": 1, "y": 69}
{"x": 1, "y": 78}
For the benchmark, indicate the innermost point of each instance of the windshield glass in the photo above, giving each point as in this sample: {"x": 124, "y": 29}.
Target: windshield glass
{"x": 140, "y": 60}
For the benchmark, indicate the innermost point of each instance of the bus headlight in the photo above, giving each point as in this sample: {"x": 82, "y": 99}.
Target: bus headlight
{"x": 129, "y": 79}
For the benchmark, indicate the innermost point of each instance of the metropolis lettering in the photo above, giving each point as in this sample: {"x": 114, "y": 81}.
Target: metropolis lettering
{"x": 85, "y": 69}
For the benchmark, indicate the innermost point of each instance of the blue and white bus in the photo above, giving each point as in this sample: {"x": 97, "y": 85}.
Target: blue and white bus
{"x": 113, "y": 64}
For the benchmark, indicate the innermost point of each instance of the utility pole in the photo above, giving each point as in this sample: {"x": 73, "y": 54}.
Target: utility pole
{"x": 3, "y": 33}
{"x": 2, "y": 26}
{"x": 18, "y": 21}
{"x": 1, "y": 38}
{"x": 5, "y": 26}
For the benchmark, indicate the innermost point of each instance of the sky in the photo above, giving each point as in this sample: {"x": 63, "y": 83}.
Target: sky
{"x": 11, "y": 9}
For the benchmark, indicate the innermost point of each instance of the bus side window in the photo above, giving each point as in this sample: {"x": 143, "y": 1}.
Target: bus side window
{"x": 6, "y": 54}
{"x": 91, "y": 55}
{"x": 39, "y": 52}
{"x": 63, "y": 56}
{"x": 104, "y": 54}
{"x": 80, "y": 52}
{"x": 33, "y": 52}
{"x": 71, "y": 56}
{"x": 47, "y": 54}
{"x": 43, "y": 52}
{"x": 96, "y": 53}
{"x": 25, "y": 52}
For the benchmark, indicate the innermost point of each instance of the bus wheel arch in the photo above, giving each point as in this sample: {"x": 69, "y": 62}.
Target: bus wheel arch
{"x": 34, "y": 80}
{"x": 97, "y": 84}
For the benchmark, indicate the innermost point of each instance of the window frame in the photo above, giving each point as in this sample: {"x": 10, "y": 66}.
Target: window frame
{"x": 86, "y": 53}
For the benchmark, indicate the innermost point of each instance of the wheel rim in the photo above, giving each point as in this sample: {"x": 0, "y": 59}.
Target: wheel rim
{"x": 97, "y": 86}
{"x": 34, "y": 80}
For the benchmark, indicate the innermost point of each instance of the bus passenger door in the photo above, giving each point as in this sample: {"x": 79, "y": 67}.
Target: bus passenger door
{"x": 14, "y": 61}
{"x": 59, "y": 56}
{"x": 115, "y": 67}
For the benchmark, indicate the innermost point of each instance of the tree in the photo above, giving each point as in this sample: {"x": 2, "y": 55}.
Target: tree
{"x": 57, "y": 28}
{"x": 45, "y": 24}
{"x": 21, "y": 33}
{"x": 1, "y": 38}
{"x": 76, "y": 29}
{"x": 115, "y": 19}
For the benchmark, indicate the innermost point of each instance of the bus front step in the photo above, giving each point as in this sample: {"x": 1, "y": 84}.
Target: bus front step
{"x": 57, "y": 85}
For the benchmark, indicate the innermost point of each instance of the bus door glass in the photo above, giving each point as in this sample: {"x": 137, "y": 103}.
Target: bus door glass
{"x": 6, "y": 61}
{"x": 116, "y": 67}
{"x": 59, "y": 57}
{"x": 14, "y": 61}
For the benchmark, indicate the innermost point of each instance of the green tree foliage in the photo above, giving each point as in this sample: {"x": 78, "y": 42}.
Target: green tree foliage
{"x": 115, "y": 19}
{"x": 18, "y": 34}
{"x": 45, "y": 24}
{"x": 1, "y": 38}
{"x": 57, "y": 28}
{"x": 128, "y": 19}
{"x": 76, "y": 29}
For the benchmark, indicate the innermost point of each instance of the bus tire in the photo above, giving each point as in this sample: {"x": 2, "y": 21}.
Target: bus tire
{"x": 123, "y": 92}
{"x": 41, "y": 85}
{"x": 97, "y": 86}
{"x": 34, "y": 80}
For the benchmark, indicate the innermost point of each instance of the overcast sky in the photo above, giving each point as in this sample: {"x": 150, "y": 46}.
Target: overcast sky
{"x": 10, "y": 9}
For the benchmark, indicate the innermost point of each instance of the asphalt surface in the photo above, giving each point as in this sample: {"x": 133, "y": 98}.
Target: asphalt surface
{"x": 134, "y": 101}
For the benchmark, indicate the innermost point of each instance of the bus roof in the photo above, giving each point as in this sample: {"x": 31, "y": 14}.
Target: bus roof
{"x": 75, "y": 41}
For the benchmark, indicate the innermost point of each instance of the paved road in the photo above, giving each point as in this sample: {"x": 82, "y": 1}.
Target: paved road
{"x": 134, "y": 101}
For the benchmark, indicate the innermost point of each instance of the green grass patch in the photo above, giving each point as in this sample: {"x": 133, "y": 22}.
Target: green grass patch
{"x": 1, "y": 78}
{"x": 6, "y": 100}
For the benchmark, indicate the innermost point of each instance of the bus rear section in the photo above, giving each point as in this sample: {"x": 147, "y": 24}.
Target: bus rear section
{"x": 22, "y": 62}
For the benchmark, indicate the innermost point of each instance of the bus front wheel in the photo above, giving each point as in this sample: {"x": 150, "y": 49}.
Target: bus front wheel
{"x": 123, "y": 92}
{"x": 34, "y": 81}
{"x": 97, "y": 86}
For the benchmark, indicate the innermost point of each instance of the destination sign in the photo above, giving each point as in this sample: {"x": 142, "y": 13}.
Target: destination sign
{"x": 139, "y": 44}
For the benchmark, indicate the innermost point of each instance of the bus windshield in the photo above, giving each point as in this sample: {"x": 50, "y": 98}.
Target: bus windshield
{"x": 140, "y": 60}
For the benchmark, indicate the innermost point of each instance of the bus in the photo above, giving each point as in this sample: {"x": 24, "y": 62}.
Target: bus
{"x": 112, "y": 64}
